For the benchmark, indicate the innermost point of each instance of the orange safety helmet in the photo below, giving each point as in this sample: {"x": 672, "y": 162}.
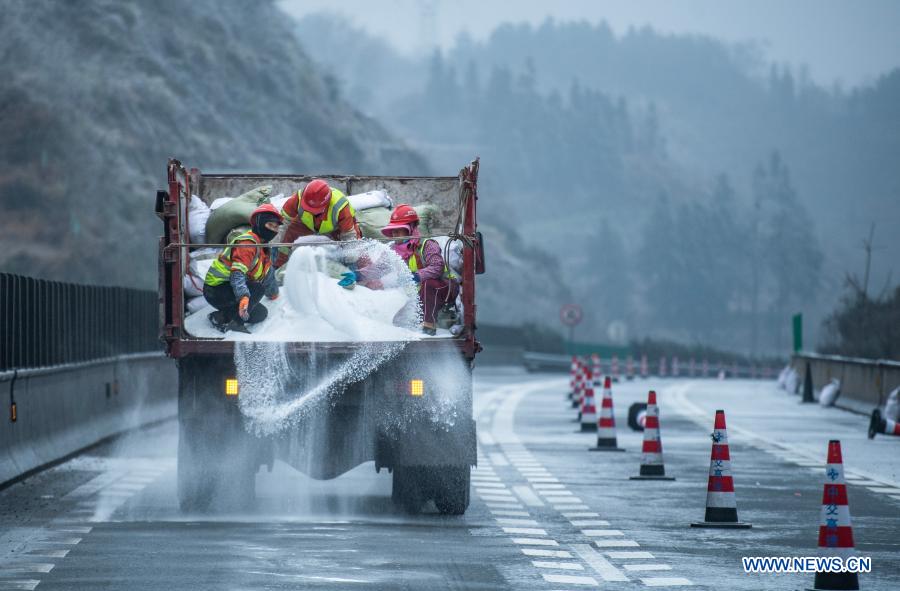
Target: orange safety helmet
{"x": 315, "y": 196}
{"x": 264, "y": 208}
{"x": 404, "y": 216}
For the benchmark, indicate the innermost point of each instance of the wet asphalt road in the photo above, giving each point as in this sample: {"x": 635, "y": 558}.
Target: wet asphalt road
{"x": 546, "y": 513}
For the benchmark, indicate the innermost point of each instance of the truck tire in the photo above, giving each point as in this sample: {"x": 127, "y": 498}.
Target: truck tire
{"x": 451, "y": 489}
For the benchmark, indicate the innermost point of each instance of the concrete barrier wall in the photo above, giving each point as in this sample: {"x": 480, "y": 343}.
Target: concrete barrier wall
{"x": 63, "y": 409}
{"x": 865, "y": 383}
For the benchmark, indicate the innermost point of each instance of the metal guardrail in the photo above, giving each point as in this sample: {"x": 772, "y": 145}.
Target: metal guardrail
{"x": 45, "y": 323}
{"x": 865, "y": 383}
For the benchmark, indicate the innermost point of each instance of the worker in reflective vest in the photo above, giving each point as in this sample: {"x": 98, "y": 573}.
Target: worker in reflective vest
{"x": 241, "y": 275}
{"x": 317, "y": 209}
{"x": 438, "y": 286}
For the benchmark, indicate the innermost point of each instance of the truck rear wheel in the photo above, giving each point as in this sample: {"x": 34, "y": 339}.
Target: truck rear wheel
{"x": 451, "y": 493}
{"x": 195, "y": 483}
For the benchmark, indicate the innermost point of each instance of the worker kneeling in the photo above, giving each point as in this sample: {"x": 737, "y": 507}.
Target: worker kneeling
{"x": 317, "y": 210}
{"x": 242, "y": 274}
{"x": 437, "y": 285}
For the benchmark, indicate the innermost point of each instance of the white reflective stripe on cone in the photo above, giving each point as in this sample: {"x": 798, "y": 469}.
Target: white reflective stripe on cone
{"x": 721, "y": 500}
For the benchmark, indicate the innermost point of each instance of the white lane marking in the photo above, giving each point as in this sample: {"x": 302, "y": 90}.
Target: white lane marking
{"x": 525, "y": 531}
{"x": 616, "y": 544}
{"x": 65, "y": 541}
{"x": 541, "y": 486}
{"x": 495, "y": 492}
{"x": 486, "y": 438}
{"x": 507, "y": 521}
{"x": 485, "y": 478}
{"x": 629, "y": 555}
{"x": 556, "y": 493}
{"x": 564, "y": 501}
{"x": 546, "y": 553}
{"x": 27, "y": 584}
{"x": 666, "y": 581}
{"x": 571, "y": 580}
{"x": 645, "y": 567}
{"x": 494, "y": 505}
{"x": 498, "y": 498}
{"x": 557, "y": 564}
{"x": 543, "y": 479}
{"x": 122, "y": 485}
{"x": 884, "y": 489}
{"x": 534, "y": 542}
{"x": 498, "y": 459}
{"x": 571, "y": 507}
{"x": 590, "y": 523}
{"x": 511, "y": 513}
{"x": 35, "y": 567}
{"x": 895, "y": 497}
{"x": 596, "y": 561}
{"x": 488, "y": 484}
{"x": 602, "y": 533}
{"x": 48, "y": 553}
{"x": 583, "y": 514}
{"x": 528, "y": 497}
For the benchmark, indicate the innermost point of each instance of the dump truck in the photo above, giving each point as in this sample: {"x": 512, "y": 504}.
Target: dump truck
{"x": 383, "y": 417}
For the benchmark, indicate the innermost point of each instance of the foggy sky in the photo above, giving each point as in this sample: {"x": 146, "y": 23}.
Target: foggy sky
{"x": 840, "y": 40}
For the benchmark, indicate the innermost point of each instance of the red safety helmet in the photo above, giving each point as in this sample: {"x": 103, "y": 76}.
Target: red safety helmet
{"x": 404, "y": 216}
{"x": 315, "y": 196}
{"x": 264, "y": 208}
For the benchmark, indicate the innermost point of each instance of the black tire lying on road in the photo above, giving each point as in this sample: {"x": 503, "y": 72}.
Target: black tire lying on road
{"x": 633, "y": 411}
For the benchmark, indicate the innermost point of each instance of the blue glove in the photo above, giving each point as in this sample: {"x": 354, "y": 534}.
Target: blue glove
{"x": 416, "y": 277}
{"x": 349, "y": 280}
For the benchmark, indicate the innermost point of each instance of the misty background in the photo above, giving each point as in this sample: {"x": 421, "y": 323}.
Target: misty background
{"x": 695, "y": 171}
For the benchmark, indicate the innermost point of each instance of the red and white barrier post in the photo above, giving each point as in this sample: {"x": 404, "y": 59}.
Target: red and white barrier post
{"x": 588, "y": 406}
{"x": 835, "y": 530}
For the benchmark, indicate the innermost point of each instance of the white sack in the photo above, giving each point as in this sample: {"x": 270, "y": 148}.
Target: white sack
{"x": 892, "y": 406}
{"x": 782, "y": 377}
{"x": 196, "y": 304}
{"x": 219, "y": 203}
{"x": 791, "y": 381}
{"x": 830, "y": 392}
{"x": 370, "y": 200}
{"x": 193, "y": 286}
{"x": 198, "y": 213}
{"x": 279, "y": 200}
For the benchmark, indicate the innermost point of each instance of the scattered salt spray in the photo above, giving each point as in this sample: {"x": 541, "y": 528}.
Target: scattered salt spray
{"x": 278, "y": 389}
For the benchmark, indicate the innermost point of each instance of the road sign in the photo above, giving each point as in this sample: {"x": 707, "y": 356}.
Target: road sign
{"x": 570, "y": 314}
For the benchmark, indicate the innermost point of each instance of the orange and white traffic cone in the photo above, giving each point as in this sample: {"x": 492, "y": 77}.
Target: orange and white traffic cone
{"x": 835, "y": 531}
{"x": 614, "y": 368}
{"x": 645, "y": 371}
{"x": 662, "y": 367}
{"x": 676, "y": 367}
{"x": 588, "y": 406}
{"x": 652, "y": 467}
{"x": 705, "y": 368}
{"x": 596, "y": 366}
{"x": 721, "y": 507}
{"x": 606, "y": 425}
{"x": 629, "y": 368}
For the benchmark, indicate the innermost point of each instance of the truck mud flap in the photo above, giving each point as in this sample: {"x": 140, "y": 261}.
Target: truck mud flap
{"x": 431, "y": 444}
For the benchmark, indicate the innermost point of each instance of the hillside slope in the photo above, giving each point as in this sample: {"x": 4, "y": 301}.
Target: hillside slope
{"x": 96, "y": 96}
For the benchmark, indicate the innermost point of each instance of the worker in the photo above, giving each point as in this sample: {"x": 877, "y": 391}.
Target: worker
{"x": 241, "y": 275}
{"x": 438, "y": 286}
{"x": 317, "y": 209}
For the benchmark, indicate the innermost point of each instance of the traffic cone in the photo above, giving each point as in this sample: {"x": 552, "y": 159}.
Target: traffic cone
{"x": 662, "y": 367}
{"x": 576, "y": 393}
{"x": 883, "y": 425}
{"x": 675, "y": 367}
{"x": 705, "y": 368}
{"x": 596, "y": 366}
{"x": 652, "y": 467}
{"x": 835, "y": 531}
{"x": 721, "y": 507}
{"x": 614, "y": 369}
{"x": 572, "y": 370}
{"x": 629, "y": 368}
{"x": 588, "y": 406}
{"x": 644, "y": 367}
{"x": 606, "y": 425}
{"x": 808, "y": 386}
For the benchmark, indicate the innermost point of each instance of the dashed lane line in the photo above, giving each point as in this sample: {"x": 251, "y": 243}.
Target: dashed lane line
{"x": 514, "y": 522}
{"x": 666, "y": 581}
{"x": 602, "y": 533}
{"x": 601, "y": 565}
{"x": 571, "y": 580}
{"x": 557, "y": 564}
{"x": 616, "y": 544}
{"x": 27, "y": 584}
{"x": 527, "y": 495}
{"x": 525, "y": 531}
{"x": 546, "y": 553}
{"x": 646, "y": 567}
{"x": 589, "y": 523}
{"x": 534, "y": 542}
{"x": 630, "y": 555}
